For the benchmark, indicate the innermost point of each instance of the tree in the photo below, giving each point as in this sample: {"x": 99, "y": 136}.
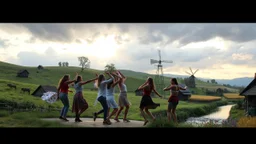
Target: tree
{"x": 208, "y": 81}
{"x": 84, "y": 62}
{"x": 66, "y": 64}
{"x": 213, "y": 81}
{"x": 60, "y": 64}
{"x": 110, "y": 67}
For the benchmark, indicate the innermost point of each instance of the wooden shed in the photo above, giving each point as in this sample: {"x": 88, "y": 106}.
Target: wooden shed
{"x": 23, "y": 73}
{"x": 43, "y": 89}
{"x": 250, "y": 97}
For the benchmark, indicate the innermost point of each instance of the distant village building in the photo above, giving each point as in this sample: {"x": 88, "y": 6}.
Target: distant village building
{"x": 43, "y": 89}
{"x": 40, "y": 67}
{"x": 23, "y": 73}
{"x": 250, "y": 97}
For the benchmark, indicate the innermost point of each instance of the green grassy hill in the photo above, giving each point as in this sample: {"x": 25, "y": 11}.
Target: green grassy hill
{"x": 51, "y": 76}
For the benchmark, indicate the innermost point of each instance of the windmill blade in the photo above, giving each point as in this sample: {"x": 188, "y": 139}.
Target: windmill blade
{"x": 167, "y": 61}
{"x": 152, "y": 61}
{"x": 191, "y": 70}
{"x": 195, "y": 72}
{"x": 159, "y": 54}
{"x": 188, "y": 73}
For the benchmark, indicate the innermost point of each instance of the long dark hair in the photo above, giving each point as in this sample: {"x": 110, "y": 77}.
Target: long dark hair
{"x": 63, "y": 79}
{"x": 101, "y": 76}
{"x": 151, "y": 83}
{"x": 78, "y": 79}
{"x": 175, "y": 81}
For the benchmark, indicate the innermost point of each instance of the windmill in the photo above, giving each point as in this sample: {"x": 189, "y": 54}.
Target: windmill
{"x": 190, "y": 81}
{"x": 159, "y": 78}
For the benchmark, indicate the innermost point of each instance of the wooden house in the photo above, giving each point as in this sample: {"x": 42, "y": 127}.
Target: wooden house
{"x": 43, "y": 89}
{"x": 250, "y": 97}
{"x": 23, "y": 73}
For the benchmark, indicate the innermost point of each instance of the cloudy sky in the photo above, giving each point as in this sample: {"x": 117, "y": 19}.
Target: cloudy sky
{"x": 220, "y": 51}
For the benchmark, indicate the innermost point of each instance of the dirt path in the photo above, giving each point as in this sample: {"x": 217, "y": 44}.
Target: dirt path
{"x": 88, "y": 122}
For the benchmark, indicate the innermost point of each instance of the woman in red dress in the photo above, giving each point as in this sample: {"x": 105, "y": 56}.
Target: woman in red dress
{"x": 173, "y": 99}
{"x": 146, "y": 100}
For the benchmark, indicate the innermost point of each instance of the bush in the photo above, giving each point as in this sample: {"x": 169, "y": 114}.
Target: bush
{"x": 239, "y": 104}
{"x": 162, "y": 122}
{"x": 229, "y": 123}
{"x": 4, "y": 113}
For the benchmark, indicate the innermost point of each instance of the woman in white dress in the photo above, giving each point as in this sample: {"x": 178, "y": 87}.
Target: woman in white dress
{"x": 110, "y": 96}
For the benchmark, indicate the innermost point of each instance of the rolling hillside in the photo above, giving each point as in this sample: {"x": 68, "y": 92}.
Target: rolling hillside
{"x": 51, "y": 76}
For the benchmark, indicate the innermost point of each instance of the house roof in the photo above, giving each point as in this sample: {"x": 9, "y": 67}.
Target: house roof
{"x": 248, "y": 88}
{"x": 21, "y": 71}
{"x": 46, "y": 88}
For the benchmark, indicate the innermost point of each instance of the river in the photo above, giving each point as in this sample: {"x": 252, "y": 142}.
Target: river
{"x": 217, "y": 117}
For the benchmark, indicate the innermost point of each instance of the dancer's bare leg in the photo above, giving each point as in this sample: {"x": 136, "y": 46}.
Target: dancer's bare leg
{"x": 143, "y": 115}
{"x": 169, "y": 115}
{"x": 173, "y": 112}
{"x": 118, "y": 113}
{"x": 125, "y": 113}
{"x": 113, "y": 113}
{"x": 150, "y": 114}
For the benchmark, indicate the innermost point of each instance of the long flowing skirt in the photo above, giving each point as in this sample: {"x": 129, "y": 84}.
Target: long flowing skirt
{"x": 79, "y": 103}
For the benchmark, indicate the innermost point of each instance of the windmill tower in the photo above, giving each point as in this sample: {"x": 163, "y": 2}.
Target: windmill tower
{"x": 190, "y": 82}
{"x": 159, "y": 78}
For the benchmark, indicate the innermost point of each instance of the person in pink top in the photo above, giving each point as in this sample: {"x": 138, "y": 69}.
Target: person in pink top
{"x": 173, "y": 99}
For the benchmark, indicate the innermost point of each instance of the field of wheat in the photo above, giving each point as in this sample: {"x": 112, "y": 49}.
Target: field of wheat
{"x": 204, "y": 98}
{"x": 233, "y": 96}
{"x": 247, "y": 122}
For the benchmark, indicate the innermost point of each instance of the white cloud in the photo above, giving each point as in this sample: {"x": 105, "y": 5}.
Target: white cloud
{"x": 215, "y": 49}
{"x": 241, "y": 56}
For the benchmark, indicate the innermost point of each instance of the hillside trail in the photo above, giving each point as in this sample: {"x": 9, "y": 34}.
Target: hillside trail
{"x": 88, "y": 122}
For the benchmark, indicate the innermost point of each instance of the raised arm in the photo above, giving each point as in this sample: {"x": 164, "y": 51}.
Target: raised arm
{"x": 156, "y": 92}
{"x": 167, "y": 88}
{"x": 122, "y": 75}
{"x": 91, "y": 80}
{"x": 71, "y": 81}
{"x": 116, "y": 82}
{"x": 183, "y": 88}
{"x": 143, "y": 86}
{"x": 108, "y": 81}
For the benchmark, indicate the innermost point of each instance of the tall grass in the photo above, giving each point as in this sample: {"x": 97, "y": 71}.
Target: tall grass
{"x": 204, "y": 98}
{"x": 233, "y": 96}
{"x": 24, "y": 119}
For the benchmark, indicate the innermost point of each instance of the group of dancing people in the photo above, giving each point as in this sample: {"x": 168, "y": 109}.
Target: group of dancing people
{"x": 106, "y": 89}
